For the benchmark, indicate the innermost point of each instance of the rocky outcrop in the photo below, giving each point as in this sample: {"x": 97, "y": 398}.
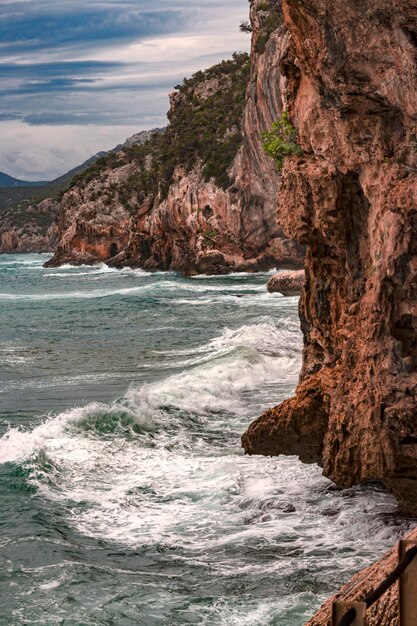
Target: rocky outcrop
{"x": 385, "y": 612}
{"x": 351, "y": 71}
{"x": 28, "y": 212}
{"x": 29, "y": 228}
{"x": 84, "y": 239}
{"x": 202, "y": 196}
{"x": 288, "y": 283}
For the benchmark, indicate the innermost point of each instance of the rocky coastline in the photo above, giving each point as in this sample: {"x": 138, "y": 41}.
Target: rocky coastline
{"x": 344, "y": 206}
{"x": 205, "y": 220}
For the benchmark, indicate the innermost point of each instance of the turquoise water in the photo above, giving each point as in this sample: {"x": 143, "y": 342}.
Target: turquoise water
{"x": 125, "y": 496}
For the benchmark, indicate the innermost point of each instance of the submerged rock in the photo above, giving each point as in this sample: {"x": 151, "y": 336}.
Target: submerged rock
{"x": 351, "y": 198}
{"x": 289, "y": 283}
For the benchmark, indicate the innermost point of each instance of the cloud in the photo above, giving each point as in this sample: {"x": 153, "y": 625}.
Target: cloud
{"x": 103, "y": 67}
{"x": 39, "y": 154}
{"x": 52, "y": 25}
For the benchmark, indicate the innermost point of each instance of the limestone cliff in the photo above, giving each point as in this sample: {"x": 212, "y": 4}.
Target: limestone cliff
{"x": 202, "y": 196}
{"x": 29, "y": 227}
{"x": 351, "y": 71}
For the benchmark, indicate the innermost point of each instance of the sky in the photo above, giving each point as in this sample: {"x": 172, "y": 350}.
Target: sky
{"x": 80, "y": 76}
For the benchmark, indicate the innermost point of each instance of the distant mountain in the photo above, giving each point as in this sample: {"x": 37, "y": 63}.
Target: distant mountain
{"x": 14, "y": 191}
{"x": 76, "y": 170}
{"x": 9, "y": 181}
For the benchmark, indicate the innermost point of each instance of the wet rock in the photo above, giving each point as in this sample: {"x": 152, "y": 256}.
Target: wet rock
{"x": 289, "y": 283}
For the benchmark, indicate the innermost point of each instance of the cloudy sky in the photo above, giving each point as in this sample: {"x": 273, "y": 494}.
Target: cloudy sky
{"x": 79, "y": 76}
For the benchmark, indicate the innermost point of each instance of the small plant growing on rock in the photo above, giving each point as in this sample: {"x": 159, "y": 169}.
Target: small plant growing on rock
{"x": 245, "y": 27}
{"x": 281, "y": 140}
{"x": 209, "y": 237}
{"x": 263, "y": 6}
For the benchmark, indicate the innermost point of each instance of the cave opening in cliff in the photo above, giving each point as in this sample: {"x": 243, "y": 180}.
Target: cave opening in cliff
{"x": 113, "y": 250}
{"x": 353, "y": 207}
{"x": 207, "y": 212}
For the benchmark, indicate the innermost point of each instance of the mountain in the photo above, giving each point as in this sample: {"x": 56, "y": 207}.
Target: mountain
{"x": 200, "y": 196}
{"x": 9, "y": 181}
{"x": 12, "y": 194}
{"x": 28, "y": 220}
{"x": 13, "y": 191}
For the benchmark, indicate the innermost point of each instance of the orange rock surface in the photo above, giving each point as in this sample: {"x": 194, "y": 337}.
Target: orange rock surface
{"x": 351, "y": 77}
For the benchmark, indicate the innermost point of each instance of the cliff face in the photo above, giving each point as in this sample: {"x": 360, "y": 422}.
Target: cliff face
{"x": 29, "y": 228}
{"x": 202, "y": 196}
{"x": 351, "y": 73}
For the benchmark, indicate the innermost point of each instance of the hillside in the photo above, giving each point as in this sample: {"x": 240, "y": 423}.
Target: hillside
{"x": 199, "y": 197}
{"x": 9, "y": 181}
{"x": 28, "y": 214}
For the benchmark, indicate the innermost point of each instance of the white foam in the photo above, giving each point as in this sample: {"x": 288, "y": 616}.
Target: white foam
{"x": 234, "y": 275}
{"x": 265, "y": 338}
{"x": 197, "y": 288}
{"x": 183, "y": 482}
{"x": 75, "y": 295}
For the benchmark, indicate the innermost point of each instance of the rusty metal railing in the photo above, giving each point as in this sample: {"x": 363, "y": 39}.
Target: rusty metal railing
{"x": 354, "y": 613}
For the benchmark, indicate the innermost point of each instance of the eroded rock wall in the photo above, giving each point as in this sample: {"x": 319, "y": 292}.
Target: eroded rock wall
{"x": 197, "y": 225}
{"x": 29, "y": 228}
{"x": 351, "y": 77}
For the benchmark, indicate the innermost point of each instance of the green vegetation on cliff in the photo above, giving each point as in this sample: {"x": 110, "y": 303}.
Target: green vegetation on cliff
{"x": 27, "y": 217}
{"x": 270, "y": 18}
{"x": 205, "y": 127}
{"x": 281, "y": 140}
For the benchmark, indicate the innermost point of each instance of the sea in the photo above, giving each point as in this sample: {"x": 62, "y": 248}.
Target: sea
{"x": 126, "y": 498}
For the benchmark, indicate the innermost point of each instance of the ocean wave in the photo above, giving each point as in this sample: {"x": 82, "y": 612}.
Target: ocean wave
{"x": 237, "y": 361}
{"x": 266, "y": 338}
{"x": 75, "y": 295}
{"x": 186, "y": 285}
{"x": 68, "y": 270}
{"x": 162, "y": 469}
{"x": 234, "y": 275}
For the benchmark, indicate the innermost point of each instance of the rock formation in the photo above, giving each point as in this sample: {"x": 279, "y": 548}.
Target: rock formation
{"x": 385, "y": 611}
{"x": 29, "y": 228}
{"x": 202, "y": 196}
{"x": 351, "y": 71}
{"x": 28, "y": 211}
{"x": 288, "y": 283}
